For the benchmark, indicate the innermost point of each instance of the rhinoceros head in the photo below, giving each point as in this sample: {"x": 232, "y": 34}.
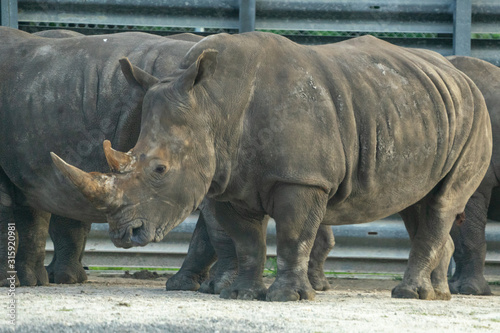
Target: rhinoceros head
{"x": 157, "y": 184}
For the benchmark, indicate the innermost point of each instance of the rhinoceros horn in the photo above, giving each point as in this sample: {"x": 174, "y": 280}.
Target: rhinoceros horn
{"x": 117, "y": 161}
{"x": 97, "y": 187}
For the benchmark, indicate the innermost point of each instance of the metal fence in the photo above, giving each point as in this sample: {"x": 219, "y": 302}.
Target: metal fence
{"x": 465, "y": 27}
{"x": 377, "y": 247}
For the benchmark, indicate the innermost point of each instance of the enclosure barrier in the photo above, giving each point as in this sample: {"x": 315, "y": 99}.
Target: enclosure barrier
{"x": 377, "y": 247}
{"x": 464, "y": 27}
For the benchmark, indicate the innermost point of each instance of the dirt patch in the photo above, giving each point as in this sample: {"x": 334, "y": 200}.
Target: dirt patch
{"x": 353, "y": 305}
{"x": 141, "y": 275}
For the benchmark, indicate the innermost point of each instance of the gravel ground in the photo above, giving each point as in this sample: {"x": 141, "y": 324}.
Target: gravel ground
{"x": 106, "y": 304}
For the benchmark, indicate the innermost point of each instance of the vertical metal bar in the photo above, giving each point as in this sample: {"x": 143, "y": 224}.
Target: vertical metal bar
{"x": 247, "y": 15}
{"x": 8, "y": 16}
{"x": 462, "y": 23}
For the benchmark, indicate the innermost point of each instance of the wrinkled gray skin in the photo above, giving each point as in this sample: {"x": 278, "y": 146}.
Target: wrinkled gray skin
{"x": 210, "y": 243}
{"x": 469, "y": 237}
{"x": 65, "y": 95}
{"x": 335, "y": 134}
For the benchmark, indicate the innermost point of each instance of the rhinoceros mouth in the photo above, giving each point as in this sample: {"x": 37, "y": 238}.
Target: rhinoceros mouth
{"x": 133, "y": 233}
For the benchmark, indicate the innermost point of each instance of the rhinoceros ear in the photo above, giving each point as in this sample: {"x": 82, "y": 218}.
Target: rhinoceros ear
{"x": 136, "y": 76}
{"x": 203, "y": 68}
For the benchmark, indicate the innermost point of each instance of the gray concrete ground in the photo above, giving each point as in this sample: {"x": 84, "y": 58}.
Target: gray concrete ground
{"x": 111, "y": 304}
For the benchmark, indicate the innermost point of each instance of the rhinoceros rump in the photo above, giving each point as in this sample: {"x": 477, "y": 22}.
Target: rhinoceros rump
{"x": 335, "y": 134}
{"x": 65, "y": 95}
{"x": 469, "y": 237}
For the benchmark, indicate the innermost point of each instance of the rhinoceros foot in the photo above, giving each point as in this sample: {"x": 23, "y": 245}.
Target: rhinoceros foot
{"x": 245, "y": 290}
{"x": 476, "y": 285}
{"x": 184, "y": 281}
{"x": 32, "y": 276}
{"x": 442, "y": 294}
{"x": 70, "y": 277}
{"x": 318, "y": 281}
{"x": 219, "y": 280}
{"x": 61, "y": 273}
{"x": 418, "y": 291}
{"x": 7, "y": 281}
{"x": 285, "y": 290}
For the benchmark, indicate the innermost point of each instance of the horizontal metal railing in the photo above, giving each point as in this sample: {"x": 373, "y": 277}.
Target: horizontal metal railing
{"x": 444, "y": 26}
{"x": 424, "y": 16}
{"x": 377, "y": 247}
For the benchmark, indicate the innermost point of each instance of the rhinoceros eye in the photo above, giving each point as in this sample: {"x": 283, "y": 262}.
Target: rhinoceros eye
{"x": 160, "y": 169}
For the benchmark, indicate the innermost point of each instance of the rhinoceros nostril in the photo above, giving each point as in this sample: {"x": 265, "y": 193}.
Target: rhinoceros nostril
{"x": 136, "y": 232}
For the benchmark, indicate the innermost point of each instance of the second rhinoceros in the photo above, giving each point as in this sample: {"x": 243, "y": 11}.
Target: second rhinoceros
{"x": 334, "y": 134}
{"x": 65, "y": 95}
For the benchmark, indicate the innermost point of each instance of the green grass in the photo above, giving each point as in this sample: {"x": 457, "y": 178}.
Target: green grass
{"x": 65, "y": 309}
{"x": 271, "y": 267}
{"x": 99, "y": 268}
{"x": 397, "y": 277}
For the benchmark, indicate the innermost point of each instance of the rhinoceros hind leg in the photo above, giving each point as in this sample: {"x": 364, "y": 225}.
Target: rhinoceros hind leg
{"x": 470, "y": 243}
{"x": 431, "y": 250}
{"x": 32, "y": 226}
{"x": 323, "y": 243}
{"x": 439, "y": 277}
{"x": 196, "y": 265}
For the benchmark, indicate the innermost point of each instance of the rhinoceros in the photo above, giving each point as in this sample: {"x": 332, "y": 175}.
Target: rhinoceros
{"x": 469, "y": 237}
{"x": 65, "y": 95}
{"x": 334, "y": 134}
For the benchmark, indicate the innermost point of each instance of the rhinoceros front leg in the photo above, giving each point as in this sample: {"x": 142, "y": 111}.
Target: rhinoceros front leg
{"x": 8, "y": 249}
{"x": 470, "y": 243}
{"x": 7, "y": 222}
{"x": 298, "y": 212}
{"x": 69, "y": 237}
{"x": 249, "y": 239}
{"x": 323, "y": 243}
{"x": 196, "y": 265}
{"x": 431, "y": 251}
{"x": 32, "y": 226}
